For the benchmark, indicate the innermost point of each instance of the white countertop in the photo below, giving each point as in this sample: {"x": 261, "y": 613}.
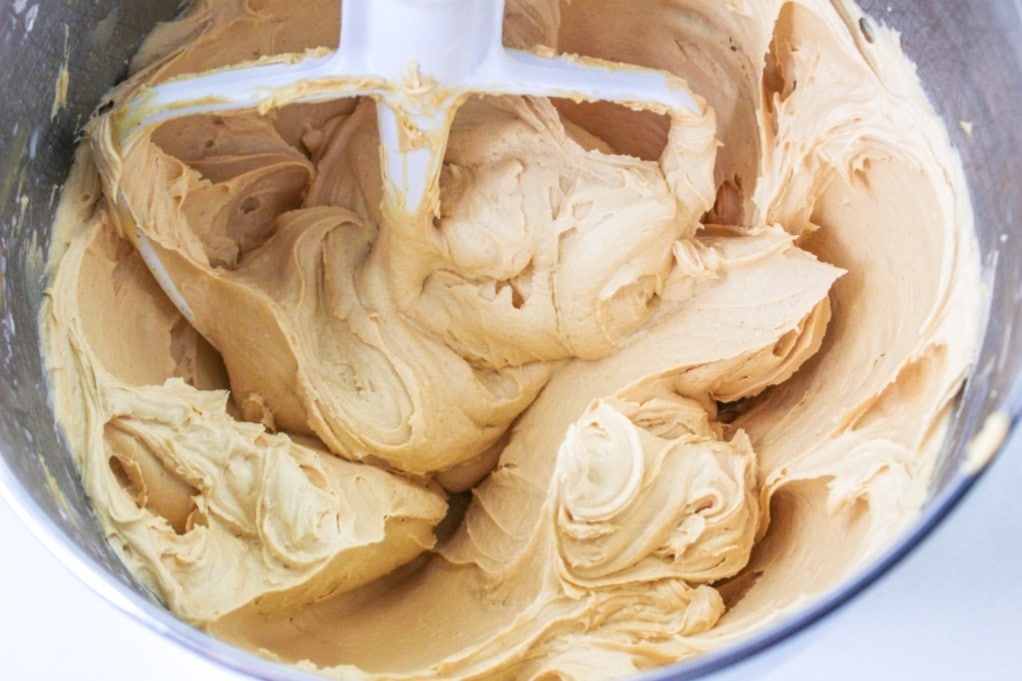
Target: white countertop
{"x": 952, "y": 610}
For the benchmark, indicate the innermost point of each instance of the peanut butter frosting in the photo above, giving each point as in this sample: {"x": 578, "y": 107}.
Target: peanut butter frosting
{"x": 636, "y": 388}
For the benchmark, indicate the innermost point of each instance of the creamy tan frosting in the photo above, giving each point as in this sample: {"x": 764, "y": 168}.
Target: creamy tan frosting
{"x": 636, "y": 388}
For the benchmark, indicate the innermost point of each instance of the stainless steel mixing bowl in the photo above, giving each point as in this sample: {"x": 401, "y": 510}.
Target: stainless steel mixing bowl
{"x": 969, "y": 58}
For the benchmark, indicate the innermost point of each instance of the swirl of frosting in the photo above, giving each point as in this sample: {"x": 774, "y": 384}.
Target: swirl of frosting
{"x": 650, "y": 490}
{"x": 603, "y": 467}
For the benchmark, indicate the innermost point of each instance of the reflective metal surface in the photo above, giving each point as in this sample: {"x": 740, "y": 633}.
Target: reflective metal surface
{"x": 968, "y": 57}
